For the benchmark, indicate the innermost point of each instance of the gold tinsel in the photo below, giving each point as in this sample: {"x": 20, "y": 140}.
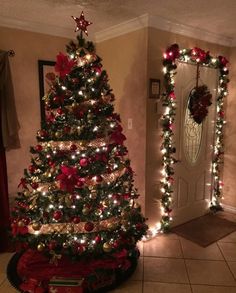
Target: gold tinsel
{"x": 68, "y": 228}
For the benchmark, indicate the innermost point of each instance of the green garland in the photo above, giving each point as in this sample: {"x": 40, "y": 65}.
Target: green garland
{"x": 193, "y": 56}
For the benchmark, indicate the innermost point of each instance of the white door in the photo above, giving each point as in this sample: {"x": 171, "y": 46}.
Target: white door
{"x": 192, "y": 188}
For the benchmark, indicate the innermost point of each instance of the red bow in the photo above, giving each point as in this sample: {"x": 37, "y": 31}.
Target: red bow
{"x": 23, "y": 183}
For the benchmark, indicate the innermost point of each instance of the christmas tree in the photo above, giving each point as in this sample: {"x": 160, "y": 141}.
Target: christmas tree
{"x": 77, "y": 197}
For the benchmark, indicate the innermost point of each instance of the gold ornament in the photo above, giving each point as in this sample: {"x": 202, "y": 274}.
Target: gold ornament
{"x": 26, "y": 193}
{"x": 57, "y": 134}
{"x": 136, "y": 205}
{"x": 36, "y": 226}
{"x": 74, "y": 105}
{"x": 98, "y": 212}
{"x": 65, "y": 245}
{"x": 41, "y": 247}
{"x": 68, "y": 202}
{"x": 21, "y": 224}
{"x": 47, "y": 174}
{"x": 111, "y": 226}
{"x": 107, "y": 247}
{"x": 85, "y": 211}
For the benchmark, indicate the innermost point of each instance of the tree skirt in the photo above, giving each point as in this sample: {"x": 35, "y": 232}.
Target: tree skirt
{"x": 31, "y": 271}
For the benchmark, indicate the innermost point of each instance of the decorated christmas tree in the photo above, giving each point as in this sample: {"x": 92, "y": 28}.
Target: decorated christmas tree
{"x": 77, "y": 200}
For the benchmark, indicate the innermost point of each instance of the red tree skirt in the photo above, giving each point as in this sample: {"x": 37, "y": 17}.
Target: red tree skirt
{"x": 35, "y": 270}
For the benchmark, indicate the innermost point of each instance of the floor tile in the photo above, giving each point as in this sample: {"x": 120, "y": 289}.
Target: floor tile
{"x": 229, "y": 250}
{"x": 165, "y": 270}
{"x": 154, "y": 287}
{"x": 229, "y": 238}
{"x": 140, "y": 247}
{"x": 209, "y": 273}
{"x": 7, "y": 288}
{"x": 138, "y": 274}
{"x": 194, "y": 251}
{"x": 4, "y": 257}
{"x": 232, "y": 265}
{"x": 2, "y": 278}
{"x": 129, "y": 287}
{"x": 212, "y": 289}
{"x": 162, "y": 247}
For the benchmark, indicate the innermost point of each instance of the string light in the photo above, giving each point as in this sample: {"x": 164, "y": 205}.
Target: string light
{"x": 194, "y": 56}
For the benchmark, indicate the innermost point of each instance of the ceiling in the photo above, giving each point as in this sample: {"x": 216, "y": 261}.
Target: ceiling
{"x": 214, "y": 16}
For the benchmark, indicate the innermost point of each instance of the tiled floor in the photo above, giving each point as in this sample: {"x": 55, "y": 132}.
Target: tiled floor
{"x": 171, "y": 264}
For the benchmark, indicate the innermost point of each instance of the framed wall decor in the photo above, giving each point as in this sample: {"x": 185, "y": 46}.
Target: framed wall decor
{"x": 154, "y": 88}
{"x": 44, "y": 67}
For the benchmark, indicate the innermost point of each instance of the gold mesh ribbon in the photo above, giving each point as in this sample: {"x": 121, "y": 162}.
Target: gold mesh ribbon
{"x": 43, "y": 187}
{"x": 80, "y": 144}
{"x": 71, "y": 228}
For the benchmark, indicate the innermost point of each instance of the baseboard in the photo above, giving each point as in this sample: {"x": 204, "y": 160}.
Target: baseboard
{"x": 229, "y": 209}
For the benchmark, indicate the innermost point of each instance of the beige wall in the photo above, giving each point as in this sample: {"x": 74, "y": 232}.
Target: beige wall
{"x": 229, "y": 166}
{"x": 125, "y": 59}
{"x": 29, "y": 47}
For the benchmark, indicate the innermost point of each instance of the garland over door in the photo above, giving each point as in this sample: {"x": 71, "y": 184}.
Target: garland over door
{"x": 193, "y": 146}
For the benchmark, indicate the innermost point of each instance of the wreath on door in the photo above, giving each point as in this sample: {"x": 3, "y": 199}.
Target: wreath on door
{"x": 199, "y": 101}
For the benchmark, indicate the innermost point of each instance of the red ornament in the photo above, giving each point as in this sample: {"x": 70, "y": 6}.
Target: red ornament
{"x": 32, "y": 168}
{"x": 98, "y": 239}
{"x": 52, "y": 245}
{"x": 63, "y": 65}
{"x": 139, "y": 226}
{"x": 81, "y": 23}
{"x": 38, "y": 148}
{"x": 80, "y": 182}
{"x": 83, "y": 162}
{"x": 43, "y": 133}
{"x": 34, "y": 185}
{"x": 73, "y": 147}
{"x": 59, "y": 99}
{"x": 57, "y": 215}
{"x": 60, "y": 111}
{"x": 89, "y": 226}
{"x": 99, "y": 178}
{"x": 76, "y": 219}
{"x": 67, "y": 129}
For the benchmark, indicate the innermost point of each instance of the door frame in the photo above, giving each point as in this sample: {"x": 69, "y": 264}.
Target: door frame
{"x": 192, "y": 56}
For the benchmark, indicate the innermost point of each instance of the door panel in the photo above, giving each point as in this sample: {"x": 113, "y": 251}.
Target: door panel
{"x": 193, "y": 147}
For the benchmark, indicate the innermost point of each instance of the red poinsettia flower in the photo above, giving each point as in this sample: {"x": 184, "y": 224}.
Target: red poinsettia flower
{"x": 68, "y": 178}
{"x": 172, "y": 52}
{"x": 63, "y": 65}
{"x": 223, "y": 61}
{"x": 199, "y": 54}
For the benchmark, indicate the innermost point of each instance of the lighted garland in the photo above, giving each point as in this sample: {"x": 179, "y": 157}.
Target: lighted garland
{"x": 193, "y": 56}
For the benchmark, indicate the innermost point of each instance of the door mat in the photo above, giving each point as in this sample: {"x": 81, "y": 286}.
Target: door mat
{"x": 206, "y": 229}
